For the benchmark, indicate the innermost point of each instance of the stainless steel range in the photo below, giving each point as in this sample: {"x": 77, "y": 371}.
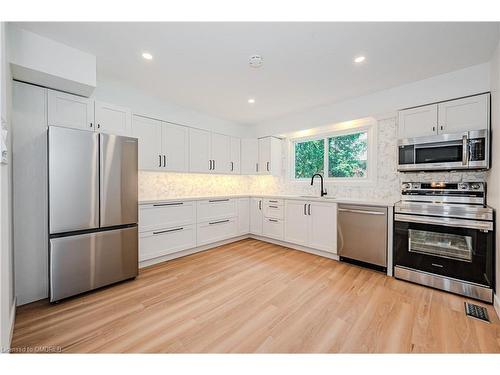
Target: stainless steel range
{"x": 444, "y": 238}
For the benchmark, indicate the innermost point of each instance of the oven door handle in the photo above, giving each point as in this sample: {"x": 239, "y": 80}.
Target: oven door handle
{"x": 445, "y": 221}
{"x": 465, "y": 149}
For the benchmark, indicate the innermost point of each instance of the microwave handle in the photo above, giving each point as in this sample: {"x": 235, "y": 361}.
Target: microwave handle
{"x": 465, "y": 149}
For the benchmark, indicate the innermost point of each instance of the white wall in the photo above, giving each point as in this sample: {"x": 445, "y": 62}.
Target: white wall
{"x": 471, "y": 80}
{"x": 494, "y": 173}
{"x": 147, "y": 105}
{"x": 7, "y": 301}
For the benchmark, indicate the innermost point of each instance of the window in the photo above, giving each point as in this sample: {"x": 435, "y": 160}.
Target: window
{"x": 342, "y": 156}
{"x": 309, "y": 158}
{"x": 347, "y": 155}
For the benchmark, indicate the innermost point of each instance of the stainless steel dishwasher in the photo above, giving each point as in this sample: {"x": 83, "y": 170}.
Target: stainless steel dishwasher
{"x": 362, "y": 235}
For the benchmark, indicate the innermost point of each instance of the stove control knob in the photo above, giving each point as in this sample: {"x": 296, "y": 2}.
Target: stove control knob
{"x": 406, "y": 185}
{"x": 475, "y": 186}
{"x": 463, "y": 186}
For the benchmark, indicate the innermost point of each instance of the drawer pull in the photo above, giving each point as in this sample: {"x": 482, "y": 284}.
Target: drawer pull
{"x": 273, "y": 201}
{"x": 168, "y": 204}
{"x": 218, "y": 200}
{"x": 168, "y": 230}
{"x": 273, "y": 206}
{"x": 273, "y": 220}
{"x": 219, "y": 222}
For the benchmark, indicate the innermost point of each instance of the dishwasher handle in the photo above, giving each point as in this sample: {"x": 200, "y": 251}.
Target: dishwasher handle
{"x": 362, "y": 211}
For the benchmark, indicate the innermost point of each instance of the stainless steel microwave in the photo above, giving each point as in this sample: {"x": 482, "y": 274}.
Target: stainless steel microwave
{"x": 466, "y": 150}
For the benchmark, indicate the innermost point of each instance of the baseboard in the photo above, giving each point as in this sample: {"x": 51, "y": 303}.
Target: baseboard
{"x": 183, "y": 253}
{"x": 496, "y": 304}
{"x": 10, "y": 330}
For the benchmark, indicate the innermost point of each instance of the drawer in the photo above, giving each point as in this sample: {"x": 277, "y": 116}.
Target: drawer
{"x": 155, "y": 244}
{"x": 272, "y": 228}
{"x": 273, "y": 201}
{"x": 214, "y": 209}
{"x": 217, "y": 230}
{"x": 273, "y": 211}
{"x": 166, "y": 215}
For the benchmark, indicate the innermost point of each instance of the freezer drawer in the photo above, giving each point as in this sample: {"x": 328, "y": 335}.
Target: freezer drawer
{"x": 119, "y": 188}
{"x": 362, "y": 233}
{"x": 88, "y": 261}
{"x": 73, "y": 180}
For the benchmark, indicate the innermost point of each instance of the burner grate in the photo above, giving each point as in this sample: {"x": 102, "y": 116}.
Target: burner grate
{"x": 477, "y": 312}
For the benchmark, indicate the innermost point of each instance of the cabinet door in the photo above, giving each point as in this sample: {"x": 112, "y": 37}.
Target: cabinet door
{"x": 323, "y": 226}
{"x": 112, "y": 119}
{"x": 256, "y": 216}
{"x": 456, "y": 116}
{"x": 199, "y": 151}
{"x": 70, "y": 111}
{"x": 235, "y": 157}
{"x": 175, "y": 142}
{"x": 216, "y": 230}
{"x": 221, "y": 150}
{"x": 149, "y": 132}
{"x": 243, "y": 216}
{"x": 418, "y": 122}
{"x": 249, "y": 156}
{"x": 296, "y": 222}
{"x": 162, "y": 242}
{"x": 272, "y": 228}
{"x": 264, "y": 155}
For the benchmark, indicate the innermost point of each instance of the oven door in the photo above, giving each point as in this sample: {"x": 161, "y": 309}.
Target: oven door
{"x": 454, "y": 248}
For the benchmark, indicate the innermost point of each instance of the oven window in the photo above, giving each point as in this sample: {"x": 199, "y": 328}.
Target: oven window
{"x": 445, "y": 245}
{"x": 439, "y": 154}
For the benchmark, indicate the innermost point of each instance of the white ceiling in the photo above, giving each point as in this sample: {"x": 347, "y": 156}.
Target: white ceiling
{"x": 204, "y": 66}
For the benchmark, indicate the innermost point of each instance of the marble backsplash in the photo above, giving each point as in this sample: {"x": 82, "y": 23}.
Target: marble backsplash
{"x": 161, "y": 185}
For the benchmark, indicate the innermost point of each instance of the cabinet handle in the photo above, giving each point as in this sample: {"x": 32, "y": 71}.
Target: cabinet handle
{"x": 168, "y": 204}
{"x": 256, "y": 167}
{"x": 273, "y": 201}
{"x": 273, "y": 206}
{"x": 441, "y": 127}
{"x": 210, "y": 165}
{"x": 260, "y": 205}
{"x": 168, "y": 230}
{"x": 433, "y": 128}
{"x": 214, "y": 165}
{"x": 309, "y": 209}
{"x": 90, "y": 124}
{"x": 164, "y": 161}
{"x": 218, "y": 200}
{"x": 219, "y": 222}
{"x": 305, "y": 204}
{"x": 232, "y": 166}
{"x": 273, "y": 220}
{"x": 363, "y": 212}
{"x": 160, "y": 161}
{"x": 267, "y": 166}
{"x": 98, "y": 126}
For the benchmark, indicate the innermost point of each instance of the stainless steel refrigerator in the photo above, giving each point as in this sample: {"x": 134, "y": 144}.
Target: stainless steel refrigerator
{"x": 93, "y": 237}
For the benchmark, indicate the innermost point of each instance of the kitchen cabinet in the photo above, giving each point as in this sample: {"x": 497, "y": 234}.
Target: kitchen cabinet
{"x": 418, "y": 122}
{"x": 175, "y": 147}
{"x": 149, "y": 134}
{"x": 249, "y": 156}
{"x": 216, "y": 230}
{"x": 451, "y": 116}
{"x": 112, "y": 119}
{"x": 216, "y": 209}
{"x": 235, "y": 156}
{"x": 154, "y": 244}
{"x": 269, "y": 156}
{"x": 312, "y": 224}
{"x": 272, "y": 228}
{"x": 200, "y": 160}
{"x": 220, "y": 153}
{"x": 243, "y": 209}
{"x": 256, "y": 216}
{"x": 460, "y": 115}
{"x": 166, "y": 215}
{"x": 70, "y": 111}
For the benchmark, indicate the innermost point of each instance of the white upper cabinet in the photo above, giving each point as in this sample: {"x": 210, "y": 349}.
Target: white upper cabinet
{"x": 471, "y": 113}
{"x": 418, "y": 122}
{"x": 70, "y": 111}
{"x": 452, "y": 116}
{"x": 221, "y": 153}
{"x": 249, "y": 156}
{"x": 112, "y": 119}
{"x": 200, "y": 160}
{"x": 235, "y": 156}
{"x": 175, "y": 146}
{"x": 270, "y": 156}
{"x": 149, "y": 133}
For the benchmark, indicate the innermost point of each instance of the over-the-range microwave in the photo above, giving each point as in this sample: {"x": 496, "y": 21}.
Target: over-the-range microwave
{"x": 466, "y": 150}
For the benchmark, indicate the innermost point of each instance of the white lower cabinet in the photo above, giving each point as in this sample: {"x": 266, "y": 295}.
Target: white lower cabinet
{"x": 217, "y": 230}
{"x": 165, "y": 215}
{"x": 312, "y": 224}
{"x": 243, "y": 216}
{"x": 256, "y": 215}
{"x": 272, "y": 228}
{"x": 214, "y": 209}
{"x": 154, "y": 244}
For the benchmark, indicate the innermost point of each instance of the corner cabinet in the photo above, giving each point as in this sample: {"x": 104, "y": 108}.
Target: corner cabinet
{"x": 249, "y": 156}
{"x": 269, "y": 156}
{"x": 213, "y": 153}
{"x": 449, "y": 117}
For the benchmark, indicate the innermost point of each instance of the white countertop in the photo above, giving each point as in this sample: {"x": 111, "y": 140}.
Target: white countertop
{"x": 294, "y": 197}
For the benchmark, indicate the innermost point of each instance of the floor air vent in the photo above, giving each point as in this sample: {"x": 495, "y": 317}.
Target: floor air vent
{"x": 477, "y": 312}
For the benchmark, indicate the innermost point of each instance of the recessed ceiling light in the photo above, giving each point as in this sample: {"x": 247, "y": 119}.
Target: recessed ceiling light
{"x": 147, "y": 56}
{"x": 251, "y": 101}
{"x": 359, "y": 59}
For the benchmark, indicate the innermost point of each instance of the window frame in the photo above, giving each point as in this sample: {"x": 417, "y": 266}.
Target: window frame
{"x": 371, "y": 171}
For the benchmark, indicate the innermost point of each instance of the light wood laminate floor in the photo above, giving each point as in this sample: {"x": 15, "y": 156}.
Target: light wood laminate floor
{"x": 251, "y": 296}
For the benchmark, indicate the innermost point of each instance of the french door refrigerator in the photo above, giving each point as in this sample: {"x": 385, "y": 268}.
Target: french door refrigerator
{"x": 93, "y": 237}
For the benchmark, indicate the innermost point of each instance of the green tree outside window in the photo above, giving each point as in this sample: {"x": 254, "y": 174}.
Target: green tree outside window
{"x": 347, "y": 155}
{"x": 309, "y": 158}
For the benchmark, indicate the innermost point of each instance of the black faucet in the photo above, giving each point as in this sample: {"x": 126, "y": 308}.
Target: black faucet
{"x": 323, "y": 191}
